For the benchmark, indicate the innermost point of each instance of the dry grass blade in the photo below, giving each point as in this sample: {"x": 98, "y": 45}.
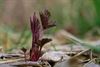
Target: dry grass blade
{"x": 72, "y": 38}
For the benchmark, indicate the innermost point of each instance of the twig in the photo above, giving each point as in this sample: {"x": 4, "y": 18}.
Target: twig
{"x": 80, "y": 53}
{"x": 10, "y": 61}
{"x": 91, "y": 55}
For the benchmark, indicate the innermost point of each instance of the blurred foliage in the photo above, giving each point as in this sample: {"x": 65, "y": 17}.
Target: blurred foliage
{"x": 1, "y": 3}
{"x": 97, "y": 8}
{"x": 83, "y": 15}
{"x": 83, "y": 25}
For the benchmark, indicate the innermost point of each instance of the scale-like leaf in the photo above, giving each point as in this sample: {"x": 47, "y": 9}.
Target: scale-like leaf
{"x": 45, "y": 19}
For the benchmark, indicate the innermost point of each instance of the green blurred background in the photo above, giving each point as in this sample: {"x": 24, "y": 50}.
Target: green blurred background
{"x": 79, "y": 17}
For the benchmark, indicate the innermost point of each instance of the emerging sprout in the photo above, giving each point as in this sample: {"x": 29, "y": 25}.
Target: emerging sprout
{"x": 37, "y": 29}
